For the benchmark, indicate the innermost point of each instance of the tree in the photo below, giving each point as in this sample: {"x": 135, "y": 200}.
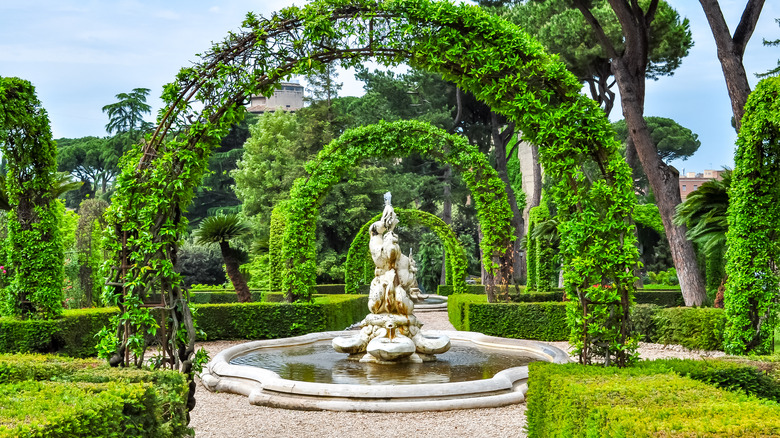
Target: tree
{"x": 776, "y": 70}
{"x": 34, "y": 244}
{"x": 629, "y": 63}
{"x": 221, "y": 229}
{"x": 127, "y": 115}
{"x": 92, "y": 160}
{"x": 705, "y": 213}
{"x": 731, "y": 49}
{"x": 563, "y": 30}
{"x": 672, "y": 140}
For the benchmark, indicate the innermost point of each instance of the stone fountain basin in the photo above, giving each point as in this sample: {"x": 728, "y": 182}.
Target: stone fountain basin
{"x": 432, "y": 303}
{"x": 267, "y": 388}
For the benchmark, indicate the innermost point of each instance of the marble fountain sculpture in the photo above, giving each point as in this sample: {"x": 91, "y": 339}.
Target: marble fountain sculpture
{"x": 392, "y": 365}
{"x": 391, "y": 333}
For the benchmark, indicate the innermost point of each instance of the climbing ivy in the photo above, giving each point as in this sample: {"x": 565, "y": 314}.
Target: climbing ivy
{"x": 494, "y": 60}
{"x": 34, "y": 246}
{"x": 751, "y": 297}
{"x": 276, "y": 267}
{"x": 386, "y": 140}
{"x": 360, "y": 265}
{"x": 542, "y": 267}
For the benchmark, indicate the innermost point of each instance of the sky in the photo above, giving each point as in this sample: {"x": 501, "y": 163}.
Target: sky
{"x": 80, "y": 54}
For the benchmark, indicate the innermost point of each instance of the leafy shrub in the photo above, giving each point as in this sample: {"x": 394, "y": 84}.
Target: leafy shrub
{"x": 447, "y": 290}
{"x": 575, "y": 400}
{"x": 458, "y": 309}
{"x": 540, "y": 321}
{"x": 663, "y": 298}
{"x": 694, "y": 328}
{"x": 667, "y": 278}
{"x": 643, "y": 321}
{"x": 73, "y": 334}
{"x": 200, "y": 264}
{"x": 59, "y": 397}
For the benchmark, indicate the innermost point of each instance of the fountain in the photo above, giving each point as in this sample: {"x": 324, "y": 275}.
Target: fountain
{"x": 392, "y": 366}
{"x": 391, "y": 333}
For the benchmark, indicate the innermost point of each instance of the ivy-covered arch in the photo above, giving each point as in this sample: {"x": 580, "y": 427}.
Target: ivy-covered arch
{"x": 493, "y": 59}
{"x": 358, "y": 255}
{"x": 388, "y": 140}
{"x": 752, "y": 297}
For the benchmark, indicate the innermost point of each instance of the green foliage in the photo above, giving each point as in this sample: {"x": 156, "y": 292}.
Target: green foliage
{"x": 694, "y": 328}
{"x": 664, "y": 278}
{"x": 127, "y": 115}
{"x": 200, "y": 265}
{"x": 275, "y": 264}
{"x": 541, "y": 321}
{"x": 458, "y": 309}
{"x": 59, "y": 397}
{"x": 542, "y": 241}
{"x": 775, "y": 71}
{"x": 73, "y": 334}
{"x": 572, "y": 400}
{"x": 360, "y": 267}
{"x": 673, "y": 141}
{"x": 751, "y": 297}
{"x": 34, "y": 246}
{"x": 271, "y": 320}
{"x": 387, "y": 140}
{"x": 447, "y": 290}
{"x": 502, "y": 66}
{"x": 649, "y": 216}
{"x": 89, "y": 248}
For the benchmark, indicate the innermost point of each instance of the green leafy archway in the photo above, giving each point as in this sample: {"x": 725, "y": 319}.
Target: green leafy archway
{"x": 494, "y": 60}
{"x": 752, "y": 299}
{"x": 358, "y": 256}
{"x": 388, "y": 140}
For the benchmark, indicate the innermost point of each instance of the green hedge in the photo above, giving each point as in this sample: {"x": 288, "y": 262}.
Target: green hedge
{"x": 220, "y": 296}
{"x": 270, "y": 320}
{"x": 520, "y": 294}
{"x": 574, "y": 400}
{"x": 539, "y": 321}
{"x": 660, "y": 297}
{"x": 73, "y": 334}
{"x": 51, "y": 396}
{"x": 694, "y": 328}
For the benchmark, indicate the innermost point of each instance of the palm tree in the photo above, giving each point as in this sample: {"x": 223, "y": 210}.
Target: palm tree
{"x": 222, "y": 229}
{"x": 705, "y": 212}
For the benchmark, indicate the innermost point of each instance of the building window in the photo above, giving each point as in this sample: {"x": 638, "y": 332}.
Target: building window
{"x": 684, "y": 188}
{"x": 695, "y": 187}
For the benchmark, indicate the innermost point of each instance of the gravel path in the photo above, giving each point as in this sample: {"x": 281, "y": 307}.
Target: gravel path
{"x": 230, "y": 415}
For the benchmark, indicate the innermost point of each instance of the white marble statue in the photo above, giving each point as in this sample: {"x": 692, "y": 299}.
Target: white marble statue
{"x": 391, "y": 333}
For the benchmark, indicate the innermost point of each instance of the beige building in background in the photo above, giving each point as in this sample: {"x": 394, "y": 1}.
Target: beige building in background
{"x": 692, "y": 181}
{"x": 288, "y": 98}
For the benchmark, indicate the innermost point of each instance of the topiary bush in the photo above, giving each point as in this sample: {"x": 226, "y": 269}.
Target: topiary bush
{"x": 52, "y": 396}
{"x": 539, "y": 321}
{"x": 572, "y": 400}
{"x": 694, "y": 328}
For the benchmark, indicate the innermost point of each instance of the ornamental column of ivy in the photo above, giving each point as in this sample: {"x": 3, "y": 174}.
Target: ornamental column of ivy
{"x": 34, "y": 246}
{"x": 753, "y": 255}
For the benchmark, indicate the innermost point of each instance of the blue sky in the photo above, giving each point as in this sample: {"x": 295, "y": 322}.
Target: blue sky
{"x": 80, "y": 54}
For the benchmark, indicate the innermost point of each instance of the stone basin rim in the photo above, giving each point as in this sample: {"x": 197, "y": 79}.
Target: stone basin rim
{"x": 265, "y": 387}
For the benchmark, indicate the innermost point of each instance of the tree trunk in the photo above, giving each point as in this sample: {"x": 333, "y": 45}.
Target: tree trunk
{"x": 234, "y": 274}
{"x": 731, "y": 50}
{"x": 500, "y": 140}
{"x": 664, "y": 182}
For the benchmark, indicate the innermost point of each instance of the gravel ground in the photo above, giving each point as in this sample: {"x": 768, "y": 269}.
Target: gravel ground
{"x": 230, "y": 415}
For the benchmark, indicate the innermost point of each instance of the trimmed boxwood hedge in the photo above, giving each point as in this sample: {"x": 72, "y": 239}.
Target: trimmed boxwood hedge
{"x": 593, "y": 401}
{"x": 220, "y": 297}
{"x": 693, "y": 328}
{"x": 520, "y": 294}
{"x": 52, "y": 396}
{"x": 74, "y": 333}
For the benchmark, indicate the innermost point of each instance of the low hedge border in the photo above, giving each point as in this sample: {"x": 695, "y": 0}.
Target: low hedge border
{"x": 53, "y": 396}
{"x": 519, "y": 294}
{"x": 593, "y": 401}
{"x": 693, "y": 328}
{"x": 74, "y": 334}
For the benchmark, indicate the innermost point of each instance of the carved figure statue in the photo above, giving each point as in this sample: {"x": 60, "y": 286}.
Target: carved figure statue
{"x": 391, "y": 333}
